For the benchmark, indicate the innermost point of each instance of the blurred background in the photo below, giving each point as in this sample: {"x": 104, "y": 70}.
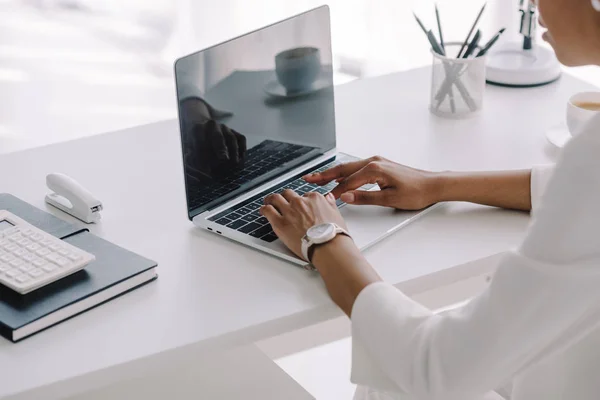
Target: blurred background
{"x": 72, "y": 68}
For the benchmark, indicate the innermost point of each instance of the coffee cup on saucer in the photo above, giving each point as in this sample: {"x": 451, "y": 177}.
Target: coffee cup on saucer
{"x": 298, "y": 68}
{"x": 580, "y": 109}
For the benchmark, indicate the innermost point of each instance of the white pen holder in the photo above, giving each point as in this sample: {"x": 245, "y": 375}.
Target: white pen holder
{"x": 457, "y": 84}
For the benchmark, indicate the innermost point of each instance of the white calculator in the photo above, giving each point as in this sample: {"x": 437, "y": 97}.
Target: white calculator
{"x": 31, "y": 258}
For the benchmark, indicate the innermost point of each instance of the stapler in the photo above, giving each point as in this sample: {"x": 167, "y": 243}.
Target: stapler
{"x": 69, "y": 196}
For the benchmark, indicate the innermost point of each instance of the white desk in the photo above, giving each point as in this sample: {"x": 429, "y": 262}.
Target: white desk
{"x": 213, "y": 294}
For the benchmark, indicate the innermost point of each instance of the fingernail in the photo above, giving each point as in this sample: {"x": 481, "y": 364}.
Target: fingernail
{"x": 347, "y": 197}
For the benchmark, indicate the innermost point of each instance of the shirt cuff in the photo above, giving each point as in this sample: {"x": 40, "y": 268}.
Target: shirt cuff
{"x": 377, "y": 304}
{"x": 540, "y": 176}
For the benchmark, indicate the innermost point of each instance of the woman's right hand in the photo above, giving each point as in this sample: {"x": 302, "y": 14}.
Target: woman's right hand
{"x": 401, "y": 187}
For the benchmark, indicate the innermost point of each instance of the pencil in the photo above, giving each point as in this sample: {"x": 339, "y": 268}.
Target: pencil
{"x": 471, "y": 31}
{"x": 420, "y": 23}
{"x": 437, "y": 16}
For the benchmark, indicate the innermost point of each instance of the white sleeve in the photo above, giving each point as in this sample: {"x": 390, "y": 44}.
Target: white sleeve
{"x": 528, "y": 311}
{"x": 540, "y": 176}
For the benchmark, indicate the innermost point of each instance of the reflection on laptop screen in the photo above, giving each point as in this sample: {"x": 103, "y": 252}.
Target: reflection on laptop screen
{"x": 255, "y": 107}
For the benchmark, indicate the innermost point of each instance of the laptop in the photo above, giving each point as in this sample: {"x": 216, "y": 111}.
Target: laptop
{"x": 256, "y": 114}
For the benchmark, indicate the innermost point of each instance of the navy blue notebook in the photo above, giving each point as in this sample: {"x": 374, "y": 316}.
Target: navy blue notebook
{"x": 114, "y": 272}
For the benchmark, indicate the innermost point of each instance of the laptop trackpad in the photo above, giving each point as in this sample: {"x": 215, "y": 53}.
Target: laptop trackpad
{"x": 370, "y": 224}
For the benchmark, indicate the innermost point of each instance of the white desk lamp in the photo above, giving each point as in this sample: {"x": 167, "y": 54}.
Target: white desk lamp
{"x": 523, "y": 64}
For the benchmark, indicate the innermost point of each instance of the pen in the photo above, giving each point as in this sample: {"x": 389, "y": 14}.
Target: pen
{"x": 471, "y": 31}
{"x": 489, "y": 44}
{"x": 420, "y": 23}
{"x": 439, "y": 23}
{"x": 434, "y": 43}
{"x": 473, "y": 45}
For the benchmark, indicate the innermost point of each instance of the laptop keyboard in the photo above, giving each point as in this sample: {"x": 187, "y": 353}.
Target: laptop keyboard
{"x": 245, "y": 217}
{"x": 259, "y": 160}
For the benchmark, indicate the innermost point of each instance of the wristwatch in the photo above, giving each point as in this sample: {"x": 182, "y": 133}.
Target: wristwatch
{"x": 320, "y": 234}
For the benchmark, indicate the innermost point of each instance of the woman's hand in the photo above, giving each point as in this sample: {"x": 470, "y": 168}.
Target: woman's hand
{"x": 401, "y": 187}
{"x": 291, "y": 215}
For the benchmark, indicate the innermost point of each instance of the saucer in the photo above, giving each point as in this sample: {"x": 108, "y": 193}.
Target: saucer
{"x": 559, "y": 135}
{"x": 275, "y": 89}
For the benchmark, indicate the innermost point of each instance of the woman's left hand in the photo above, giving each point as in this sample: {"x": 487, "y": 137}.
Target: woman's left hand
{"x": 291, "y": 215}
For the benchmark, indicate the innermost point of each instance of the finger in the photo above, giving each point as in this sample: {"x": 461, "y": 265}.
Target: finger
{"x": 363, "y": 197}
{"x": 232, "y": 144}
{"x": 354, "y": 181}
{"x": 241, "y": 140}
{"x": 337, "y": 172}
{"x": 330, "y": 198}
{"x": 217, "y": 141}
{"x": 271, "y": 214}
{"x": 290, "y": 195}
{"x": 279, "y": 202}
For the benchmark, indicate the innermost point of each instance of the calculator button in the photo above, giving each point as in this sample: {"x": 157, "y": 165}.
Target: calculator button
{"x": 4, "y": 267}
{"x": 16, "y": 237}
{"x": 16, "y": 262}
{"x": 53, "y": 257}
{"x": 63, "y": 252}
{"x": 27, "y": 232}
{"x": 46, "y": 242}
{"x": 73, "y": 257}
{"x": 26, "y": 267}
{"x": 4, "y": 242}
{"x": 36, "y": 273}
{"x": 54, "y": 247}
{"x": 20, "y": 252}
{"x": 11, "y": 247}
{"x": 62, "y": 262}
{"x": 28, "y": 257}
{"x": 13, "y": 272}
{"x": 24, "y": 242}
{"x": 43, "y": 252}
{"x": 39, "y": 262}
{"x": 11, "y": 231}
{"x": 37, "y": 237}
{"x": 33, "y": 247}
{"x": 49, "y": 267}
{"x": 22, "y": 278}
{"x": 7, "y": 258}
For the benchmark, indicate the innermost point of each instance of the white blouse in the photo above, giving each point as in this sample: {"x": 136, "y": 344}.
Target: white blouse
{"x": 535, "y": 331}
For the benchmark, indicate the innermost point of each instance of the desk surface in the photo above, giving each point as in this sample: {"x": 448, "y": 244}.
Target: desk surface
{"x": 214, "y": 293}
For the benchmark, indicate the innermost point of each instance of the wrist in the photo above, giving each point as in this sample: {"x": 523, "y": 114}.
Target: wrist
{"x": 330, "y": 252}
{"x": 440, "y": 187}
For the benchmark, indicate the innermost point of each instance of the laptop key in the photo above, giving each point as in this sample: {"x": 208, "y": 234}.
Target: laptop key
{"x": 237, "y": 224}
{"x": 262, "y": 221}
{"x": 269, "y": 238}
{"x": 249, "y": 228}
{"x": 244, "y": 210}
{"x": 253, "y": 206}
{"x": 223, "y": 221}
{"x": 233, "y": 216}
{"x": 249, "y": 218}
{"x": 265, "y": 230}
{"x": 321, "y": 190}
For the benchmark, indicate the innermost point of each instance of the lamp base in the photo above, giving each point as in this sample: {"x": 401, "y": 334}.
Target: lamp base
{"x": 510, "y": 65}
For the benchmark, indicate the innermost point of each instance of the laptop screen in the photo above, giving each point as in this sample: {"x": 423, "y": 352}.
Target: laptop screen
{"x": 255, "y": 107}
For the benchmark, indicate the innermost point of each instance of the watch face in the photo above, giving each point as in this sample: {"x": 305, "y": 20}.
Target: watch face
{"x": 320, "y": 231}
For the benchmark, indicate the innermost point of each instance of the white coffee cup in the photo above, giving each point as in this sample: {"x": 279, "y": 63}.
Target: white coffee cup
{"x": 581, "y": 108}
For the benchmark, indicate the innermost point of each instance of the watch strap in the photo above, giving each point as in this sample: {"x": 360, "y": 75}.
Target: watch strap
{"x": 308, "y": 246}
